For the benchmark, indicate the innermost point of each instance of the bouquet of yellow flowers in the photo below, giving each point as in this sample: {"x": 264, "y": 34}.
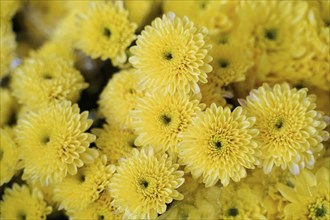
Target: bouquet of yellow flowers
{"x": 165, "y": 109}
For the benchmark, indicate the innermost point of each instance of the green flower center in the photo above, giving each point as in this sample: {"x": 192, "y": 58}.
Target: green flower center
{"x": 45, "y": 139}
{"x": 223, "y": 63}
{"x": 144, "y": 183}
{"x": 47, "y": 76}
{"x": 21, "y": 215}
{"x": 100, "y": 217}
{"x": 217, "y": 144}
{"x": 106, "y": 32}
{"x": 320, "y": 212}
{"x": 168, "y": 56}
{"x": 223, "y": 40}
{"x": 319, "y": 209}
{"x": 271, "y": 34}
{"x": 232, "y": 212}
{"x": 165, "y": 119}
{"x": 279, "y": 124}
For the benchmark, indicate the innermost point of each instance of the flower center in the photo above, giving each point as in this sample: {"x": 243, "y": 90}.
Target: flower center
{"x": 45, "y": 139}
{"x": 223, "y": 40}
{"x": 144, "y": 183}
{"x": 319, "y": 209}
{"x": 82, "y": 178}
{"x": 21, "y": 215}
{"x": 100, "y": 217}
{"x": 217, "y": 144}
{"x": 279, "y": 124}
{"x": 271, "y": 34}
{"x": 320, "y": 212}
{"x": 106, "y": 32}
{"x": 165, "y": 119}
{"x": 168, "y": 56}
{"x": 47, "y": 76}
{"x": 232, "y": 212}
{"x": 223, "y": 63}
{"x": 203, "y": 5}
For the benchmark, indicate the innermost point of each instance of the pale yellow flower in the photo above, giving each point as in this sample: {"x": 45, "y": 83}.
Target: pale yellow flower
{"x": 53, "y": 142}
{"x": 172, "y": 54}
{"x": 219, "y": 145}
{"x": 291, "y": 131}
{"x": 21, "y": 202}
{"x": 144, "y": 184}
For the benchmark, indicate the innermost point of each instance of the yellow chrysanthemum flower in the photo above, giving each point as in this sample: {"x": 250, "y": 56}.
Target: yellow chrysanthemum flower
{"x": 8, "y": 47}
{"x": 290, "y": 128}
{"x": 105, "y": 31}
{"x": 85, "y": 187}
{"x": 144, "y": 183}
{"x": 99, "y": 209}
{"x": 114, "y": 142}
{"x": 230, "y": 63}
{"x": 276, "y": 28}
{"x": 53, "y": 142}
{"x": 7, "y": 106}
{"x": 238, "y": 201}
{"x": 38, "y": 82}
{"x": 8, "y": 155}
{"x": 172, "y": 54}
{"x": 119, "y": 97}
{"x": 159, "y": 118}
{"x": 310, "y": 198}
{"x": 20, "y": 202}
{"x": 219, "y": 145}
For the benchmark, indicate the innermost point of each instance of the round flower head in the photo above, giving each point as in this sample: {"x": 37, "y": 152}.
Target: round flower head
{"x": 310, "y": 198}
{"x": 230, "y": 63}
{"x": 119, "y": 96}
{"x": 8, "y": 46}
{"x": 114, "y": 142}
{"x": 172, "y": 55}
{"x": 99, "y": 209}
{"x": 236, "y": 203}
{"x": 105, "y": 31}
{"x": 276, "y": 30}
{"x": 219, "y": 145}
{"x": 38, "y": 82}
{"x": 53, "y": 142}
{"x": 159, "y": 118}
{"x": 86, "y": 186}
{"x": 144, "y": 183}
{"x": 8, "y": 155}
{"x": 290, "y": 129}
{"x": 20, "y": 202}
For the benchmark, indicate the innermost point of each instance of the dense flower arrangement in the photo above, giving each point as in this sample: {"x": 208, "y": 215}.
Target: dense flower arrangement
{"x": 165, "y": 109}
